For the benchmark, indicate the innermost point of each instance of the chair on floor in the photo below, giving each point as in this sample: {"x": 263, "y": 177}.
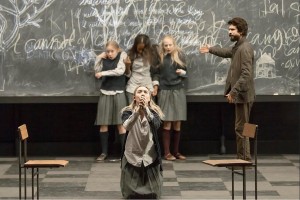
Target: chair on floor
{"x": 250, "y": 131}
{"x": 33, "y": 164}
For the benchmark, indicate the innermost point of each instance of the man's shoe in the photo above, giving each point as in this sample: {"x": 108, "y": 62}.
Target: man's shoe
{"x": 102, "y": 157}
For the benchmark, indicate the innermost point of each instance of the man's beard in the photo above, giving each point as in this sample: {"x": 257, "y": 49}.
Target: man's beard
{"x": 234, "y": 38}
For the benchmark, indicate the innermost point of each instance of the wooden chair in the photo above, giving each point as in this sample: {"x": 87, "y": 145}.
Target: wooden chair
{"x": 250, "y": 130}
{"x": 33, "y": 164}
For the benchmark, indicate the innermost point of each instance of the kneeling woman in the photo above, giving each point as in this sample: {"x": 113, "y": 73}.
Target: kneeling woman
{"x": 141, "y": 176}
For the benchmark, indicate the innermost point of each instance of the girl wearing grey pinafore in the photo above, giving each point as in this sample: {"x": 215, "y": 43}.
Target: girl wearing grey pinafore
{"x": 109, "y": 66}
{"x": 171, "y": 96}
{"x": 141, "y": 174}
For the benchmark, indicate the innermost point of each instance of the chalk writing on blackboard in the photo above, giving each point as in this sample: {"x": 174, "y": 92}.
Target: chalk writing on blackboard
{"x": 48, "y": 47}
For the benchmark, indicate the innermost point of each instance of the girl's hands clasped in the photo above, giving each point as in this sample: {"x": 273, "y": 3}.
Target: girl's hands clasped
{"x": 141, "y": 105}
{"x": 143, "y": 102}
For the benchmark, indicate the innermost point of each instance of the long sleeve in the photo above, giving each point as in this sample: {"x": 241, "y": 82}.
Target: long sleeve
{"x": 182, "y": 57}
{"x": 240, "y": 79}
{"x": 153, "y": 118}
{"x": 119, "y": 70}
{"x": 129, "y": 118}
{"x": 242, "y": 84}
{"x": 155, "y": 75}
{"x": 98, "y": 65}
{"x": 222, "y": 52}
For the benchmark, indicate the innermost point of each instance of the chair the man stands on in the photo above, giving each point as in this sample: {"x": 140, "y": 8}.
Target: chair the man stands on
{"x": 249, "y": 131}
{"x": 33, "y": 164}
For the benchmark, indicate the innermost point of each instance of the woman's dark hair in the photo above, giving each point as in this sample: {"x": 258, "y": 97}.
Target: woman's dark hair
{"x": 148, "y": 52}
{"x": 155, "y": 55}
{"x": 240, "y": 24}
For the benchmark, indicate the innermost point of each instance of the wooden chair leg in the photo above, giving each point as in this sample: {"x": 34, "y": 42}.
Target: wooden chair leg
{"x": 37, "y": 183}
{"x": 232, "y": 183}
{"x": 255, "y": 171}
{"x": 244, "y": 182}
{"x": 32, "y": 183}
{"x": 20, "y": 183}
{"x": 25, "y": 184}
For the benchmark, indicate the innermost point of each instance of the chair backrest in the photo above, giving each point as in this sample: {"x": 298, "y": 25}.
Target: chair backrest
{"x": 249, "y": 130}
{"x": 23, "y": 132}
{"x": 23, "y": 135}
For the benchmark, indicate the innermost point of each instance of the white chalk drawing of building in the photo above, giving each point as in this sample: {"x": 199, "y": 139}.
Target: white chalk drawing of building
{"x": 221, "y": 72}
{"x": 265, "y": 67}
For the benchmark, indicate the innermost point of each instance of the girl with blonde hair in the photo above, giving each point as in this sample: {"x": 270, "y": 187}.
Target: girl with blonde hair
{"x": 141, "y": 175}
{"x": 171, "y": 95}
{"x": 110, "y": 68}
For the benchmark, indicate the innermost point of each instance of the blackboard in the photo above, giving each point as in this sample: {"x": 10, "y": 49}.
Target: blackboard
{"x": 48, "y": 47}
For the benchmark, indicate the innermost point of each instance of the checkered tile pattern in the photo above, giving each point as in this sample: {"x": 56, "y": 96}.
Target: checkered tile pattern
{"x": 83, "y": 178}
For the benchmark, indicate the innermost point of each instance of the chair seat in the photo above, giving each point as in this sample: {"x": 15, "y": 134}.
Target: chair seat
{"x": 235, "y": 165}
{"x": 228, "y": 162}
{"x": 33, "y": 164}
{"x": 45, "y": 163}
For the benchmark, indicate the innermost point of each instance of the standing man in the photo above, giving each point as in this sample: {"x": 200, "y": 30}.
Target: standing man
{"x": 239, "y": 87}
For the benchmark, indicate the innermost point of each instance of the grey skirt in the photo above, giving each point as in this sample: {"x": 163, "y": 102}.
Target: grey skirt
{"x": 129, "y": 97}
{"x": 173, "y": 104}
{"x": 141, "y": 182}
{"x": 109, "y": 109}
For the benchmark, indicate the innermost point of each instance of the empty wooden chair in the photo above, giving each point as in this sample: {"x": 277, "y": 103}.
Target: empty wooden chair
{"x": 250, "y": 131}
{"x": 33, "y": 164}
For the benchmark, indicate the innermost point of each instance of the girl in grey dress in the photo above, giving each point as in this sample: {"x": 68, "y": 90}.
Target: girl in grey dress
{"x": 110, "y": 68}
{"x": 171, "y": 95}
{"x": 141, "y": 175}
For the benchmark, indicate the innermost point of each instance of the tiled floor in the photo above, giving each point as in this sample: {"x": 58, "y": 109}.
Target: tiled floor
{"x": 83, "y": 178}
